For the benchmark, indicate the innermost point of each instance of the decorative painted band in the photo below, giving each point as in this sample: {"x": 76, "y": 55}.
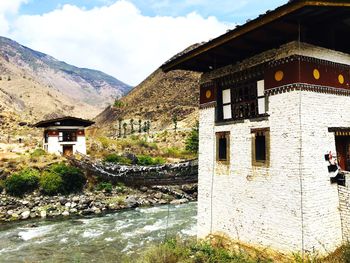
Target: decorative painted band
{"x": 307, "y": 87}
{"x": 208, "y": 105}
{"x": 283, "y": 74}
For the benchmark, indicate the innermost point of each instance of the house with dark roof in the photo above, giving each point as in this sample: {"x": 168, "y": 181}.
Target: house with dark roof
{"x": 274, "y": 137}
{"x": 64, "y": 136}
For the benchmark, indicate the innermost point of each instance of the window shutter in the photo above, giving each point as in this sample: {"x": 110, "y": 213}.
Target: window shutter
{"x": 261, "y": 97}
{"x": 226, "y": 101}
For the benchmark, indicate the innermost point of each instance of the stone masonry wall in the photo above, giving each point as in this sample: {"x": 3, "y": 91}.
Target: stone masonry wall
{"x": 291, "y": 205}
{"x": 256, "y": 205}
{"x": 344, "y": 207}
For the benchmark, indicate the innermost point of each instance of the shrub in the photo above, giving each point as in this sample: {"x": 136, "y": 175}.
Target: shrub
{"x": 193, "y": 140}
{"x": 72, "y": 177}
{"x": 104, "y": 142}
{"x": 2, "y": 185}
{"x": 174, "y": 152}
{"x": 108, "y": 187}
{"x": 118, "y": 104}
{"x": 346, "y": 253}
{"x": 51, "y": 183}
{"x": 148, "y": 160}
{"x": 120, "y": 188}
{"x": 22, "y": 182}
{"x": 37, "y": 153}
{"x": 174, "y": 250}
{"x": 115, "y": 158}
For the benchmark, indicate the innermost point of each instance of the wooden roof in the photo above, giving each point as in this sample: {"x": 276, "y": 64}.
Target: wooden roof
{"x": 322, "y": 23}
{"x": 64, "y": 121}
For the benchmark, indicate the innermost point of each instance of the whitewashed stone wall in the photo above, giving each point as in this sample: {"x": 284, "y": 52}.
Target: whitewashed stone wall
{"x": 344, "y": 207}
{"x": 291, "y": 205}
{"x": 261, "y": 206}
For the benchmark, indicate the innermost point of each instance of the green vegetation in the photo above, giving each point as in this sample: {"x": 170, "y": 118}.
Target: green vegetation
{"x": 37, "y": 153}
{"x": 22, "y": 182}
{"x": 190, "y": 251}
{"x": 58, "y": 178}
{"x": 193, "y": 140}
{"x": 72, "y": 177}
{"x": 108, "y": 187}
{"x": 148, "y": 160}
{"x": 118, "y": 104}
{"x": 51, "y": 183}
{"x": 2, "y": 185}
{"x": 115, "y": 158}
{"x": 141, "y": 159}
{"x": 220, "y": 249}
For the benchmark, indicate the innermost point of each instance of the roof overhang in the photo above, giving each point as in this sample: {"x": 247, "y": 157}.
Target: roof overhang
{"x": 64, "y": 121}
{"x": 321, "y": 23}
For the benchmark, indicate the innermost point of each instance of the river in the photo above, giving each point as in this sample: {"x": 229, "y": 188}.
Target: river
{"x": 108, "y": 238}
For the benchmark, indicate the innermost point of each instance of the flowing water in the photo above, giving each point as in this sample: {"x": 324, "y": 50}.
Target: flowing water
{"x": 97, "y": 239}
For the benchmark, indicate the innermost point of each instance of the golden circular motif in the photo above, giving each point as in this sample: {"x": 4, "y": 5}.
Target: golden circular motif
{"x": 279, "y": 75}
{"x": 208, "y": 94}
{"x": 316, "y": 74}
{"x": 341, "y": 79}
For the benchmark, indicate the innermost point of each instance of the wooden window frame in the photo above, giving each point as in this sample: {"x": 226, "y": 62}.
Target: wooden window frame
{"x": 266, "y": 162}
{"x": 218, "y": 136}
{"x": 244, "y": 99}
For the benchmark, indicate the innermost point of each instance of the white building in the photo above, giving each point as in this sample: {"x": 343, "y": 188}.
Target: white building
{"x": 274, "y": 113}
{"x": 65, "y": 136}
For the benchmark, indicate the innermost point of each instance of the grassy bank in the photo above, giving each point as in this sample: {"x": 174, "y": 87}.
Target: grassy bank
{"x": 222, "y": 250}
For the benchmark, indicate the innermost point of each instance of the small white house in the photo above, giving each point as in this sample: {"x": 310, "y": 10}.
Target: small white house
{"x": 64, "y": 136}
{"x": 274, "y": 114}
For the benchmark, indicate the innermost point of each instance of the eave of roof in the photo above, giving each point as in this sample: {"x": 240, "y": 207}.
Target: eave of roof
{"x": 256, "y": 23}
{"x": 44, "y": 123}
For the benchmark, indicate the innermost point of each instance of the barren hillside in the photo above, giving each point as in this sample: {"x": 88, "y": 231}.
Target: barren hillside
{"x": 158, "y": 98}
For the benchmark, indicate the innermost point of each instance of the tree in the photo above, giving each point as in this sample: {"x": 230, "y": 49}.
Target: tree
{"x": 175, "y": 121}
{"x": 140, "y": 126}
{"x": 132, "y": 126}
{"x": 148, "y": 126}
{"x": 120, "y": 128}
{"x": 124, "y": 127}
{"x": 192, "y": 141}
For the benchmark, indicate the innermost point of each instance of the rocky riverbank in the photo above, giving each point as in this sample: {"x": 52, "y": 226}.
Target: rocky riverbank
{"x": 36, "y": 205}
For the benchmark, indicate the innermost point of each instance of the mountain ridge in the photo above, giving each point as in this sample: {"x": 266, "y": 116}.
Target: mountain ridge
{"x": 88, "y": 85}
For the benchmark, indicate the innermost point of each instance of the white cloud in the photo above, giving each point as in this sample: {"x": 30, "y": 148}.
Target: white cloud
{"x": 116, "y": 39}
{"x": 8, "y": 8}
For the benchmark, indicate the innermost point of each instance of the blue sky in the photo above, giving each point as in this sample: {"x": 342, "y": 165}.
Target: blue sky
{"x": 128, "y": 39}
{"x": 234, "y": 11}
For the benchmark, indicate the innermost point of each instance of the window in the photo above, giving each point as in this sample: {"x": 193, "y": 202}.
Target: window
{"x": 261, "y": 97}
{"x": 261, "y": 147}
{"x": 67, "y": 136}
{"x": 46, "y": 136}
{"x": 223, "y": 147}
{"x": 240, "y": 100}
{"x": 226, "y": 102}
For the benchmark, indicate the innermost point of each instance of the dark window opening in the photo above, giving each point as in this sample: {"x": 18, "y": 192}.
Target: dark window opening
{"x": 343, "y": 152}
{"x": 260, "y": 147}
{"x": 222, "y": 149}
{"x": 223, "y": 146}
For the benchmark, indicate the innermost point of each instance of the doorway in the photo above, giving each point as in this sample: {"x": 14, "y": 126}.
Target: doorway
{"x": 67, "y": 150}
{"x": 342, "y": 144}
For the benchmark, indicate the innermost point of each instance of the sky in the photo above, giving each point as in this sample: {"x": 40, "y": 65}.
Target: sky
{"x": 128, "y": 39}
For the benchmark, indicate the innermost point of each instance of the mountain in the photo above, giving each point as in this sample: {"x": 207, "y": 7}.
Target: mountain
{"x": 36, "y": 86}
{"x": 158, "y": 98}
